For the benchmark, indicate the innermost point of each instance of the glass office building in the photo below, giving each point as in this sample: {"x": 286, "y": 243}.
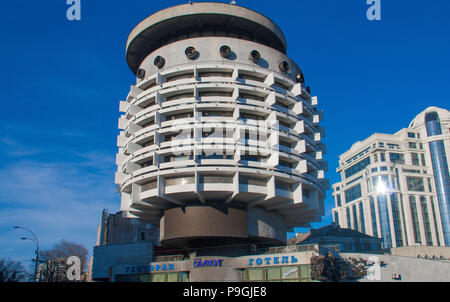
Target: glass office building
{"x": 400, "y": 183}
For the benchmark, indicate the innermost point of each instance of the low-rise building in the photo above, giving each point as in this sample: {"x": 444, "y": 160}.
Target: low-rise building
{"x": 340, "y": 238}
{"x": 121, "y": 240}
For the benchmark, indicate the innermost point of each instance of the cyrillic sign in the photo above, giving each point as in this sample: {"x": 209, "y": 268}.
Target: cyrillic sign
{"x": 130, "y": 269}
{"x": 272, "y": 260}
{"x": 198, "y": 262}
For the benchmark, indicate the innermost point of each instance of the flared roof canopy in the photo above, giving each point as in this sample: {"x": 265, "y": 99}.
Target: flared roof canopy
{"x": 200, "y": 20}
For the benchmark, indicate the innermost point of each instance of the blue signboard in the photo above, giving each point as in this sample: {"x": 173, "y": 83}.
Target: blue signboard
{"x": 272, "y": 260}
{"x": 133, "y": 269}
{"x": 198, "y": 262}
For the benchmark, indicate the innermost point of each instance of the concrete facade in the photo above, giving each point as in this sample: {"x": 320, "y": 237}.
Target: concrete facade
{"x": 404, "y": 269}
{"x": 396, "y": 187}
{"x": 121, "y": 240}
{"x": 426, "y": 252}
{"x": 109, "y": 256}
{"x": 221, "y": 118}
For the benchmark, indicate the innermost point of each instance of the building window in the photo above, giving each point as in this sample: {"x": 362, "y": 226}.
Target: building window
{"x": 347, "y": 211}
{"x": 422, "y": 156}
{"x": 440, "y": 171}
{"x": 182, "y": 180}
{"x": 380, "y": 181}
{"x": 149, "y": 186}
{"x": 415, "y": 184}
{"x": 180, "y": 96}
{"x": 147, "y": 163}
{"x": 159, "y": 277}
{"x": 179, "y": 116}
{"x": 415, "y": 219}
{"x": 432, "y": 124}
{"x": 361, "y": 218}
{"x": 383, "y": 214}
{"x": 250, "y": 77}
{"x": 223, "y": 179}
{"x": 293, "y": 273}
{"x": 415, "y": 159}
{"x": 281, "y": 185}
{"x": 338, "y": 200}
{"x": 411, "y": 135}
{"x": 254, "y": 181}
{"x": 395, "y": 202}
{"x": 357, "y": 167}
{"x": 353, "y": 193}
{"x": 397, "y": 158}
{"x": 336, "y": 218}
{"x": 430, "y": 189}
{"x": 174, "y": 158}
{"x": 412, "y": 145}
{"x": 180, "y": 77}
{"x": 393, "y": 146}
{"x": 426, "y": 220}
{"x": 217, "y": 113}
{"x": 435, "y": 221}
{"x": 383, "y": 156}
{"x": 374, "y": 217}
{"x": 355, "y": 218}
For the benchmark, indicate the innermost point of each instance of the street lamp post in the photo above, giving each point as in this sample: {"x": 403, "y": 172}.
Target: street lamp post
{"x": 35, "y": 240}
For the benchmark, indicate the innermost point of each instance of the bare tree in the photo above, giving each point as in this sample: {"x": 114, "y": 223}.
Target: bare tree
{"x": 11, "y": 271}
{"x": 331, "y": 268}
{"x": 55, "y": 267}
{"x": 326, "y": 268}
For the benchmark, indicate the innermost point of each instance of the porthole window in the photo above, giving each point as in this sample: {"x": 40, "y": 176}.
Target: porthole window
{"x": 191, "y": 53}
{"x": 159, "y": 62}
{"x": 284, "y": 66}
{"x": 255, "y": 56}
{"x": 225, "y": 51}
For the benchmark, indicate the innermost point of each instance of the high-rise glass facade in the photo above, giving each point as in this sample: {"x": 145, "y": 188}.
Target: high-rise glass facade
{"x": 401, "y": 182}
{"x": 440, "y": 169}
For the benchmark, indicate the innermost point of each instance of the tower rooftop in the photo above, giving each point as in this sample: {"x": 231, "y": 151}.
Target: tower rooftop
{"x": 200, "y": 20}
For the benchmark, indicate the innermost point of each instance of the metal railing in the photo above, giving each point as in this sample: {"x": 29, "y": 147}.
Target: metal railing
{"x": 216, "y": 179}
{"x": 149, "y": 186}
{"x": 180, "y": 181}
{"x": 253, "y": 181}
{"x": 292, "y": 249}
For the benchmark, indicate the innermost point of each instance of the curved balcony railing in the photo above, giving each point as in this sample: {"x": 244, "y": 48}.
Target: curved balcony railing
{"x": 216, "y": 179}
{"x": 174, "y": 181}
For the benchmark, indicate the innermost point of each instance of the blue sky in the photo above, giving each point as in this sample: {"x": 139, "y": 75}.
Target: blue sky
{"x": 61, "y": 83}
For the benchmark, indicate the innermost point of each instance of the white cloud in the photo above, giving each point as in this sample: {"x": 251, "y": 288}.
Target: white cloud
{"x": 57, "y": 201}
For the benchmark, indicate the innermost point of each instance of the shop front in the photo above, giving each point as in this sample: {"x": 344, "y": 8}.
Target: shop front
{"x": 274, "y": 266}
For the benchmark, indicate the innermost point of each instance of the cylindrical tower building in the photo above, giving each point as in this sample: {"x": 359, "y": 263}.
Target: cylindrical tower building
{"x": 220, "y": 140}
